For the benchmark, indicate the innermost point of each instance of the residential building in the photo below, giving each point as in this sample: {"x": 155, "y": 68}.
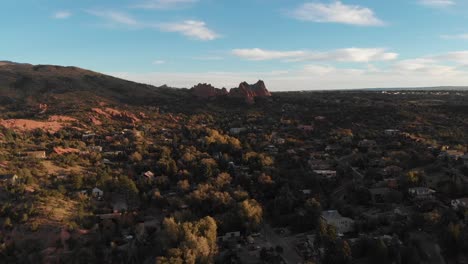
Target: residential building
{"x": 421, "y": 192}
{"x": 9, "y": 178}
{"x": 460, "y": 203}
{"x": 342, "y": 224}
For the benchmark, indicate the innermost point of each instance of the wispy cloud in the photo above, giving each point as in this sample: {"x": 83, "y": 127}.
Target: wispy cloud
{"x": 159, "y": 62}
{"x": 208, "y": 58}
{"x": 62, "y": 14}
{"x": 190, "y": 28}
{"x": 457, "y": 36}
{"x": 115, "y": 17}
{"x": 437, "y": 3}
{"x": 337, "y": 12}
{"x": 165, "y": 4}
{"x": 340, "y": 55}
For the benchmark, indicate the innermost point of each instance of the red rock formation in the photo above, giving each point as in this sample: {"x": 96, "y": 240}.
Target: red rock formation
{"x": 249, "y": 92}
{"x": 204, "y": 90}
{"x": 245, "y": 91}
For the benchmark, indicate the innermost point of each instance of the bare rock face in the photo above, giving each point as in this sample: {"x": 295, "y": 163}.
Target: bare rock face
{"x": 246, "y": 91}
{"x": 204, "y": 90}
{"x": 249, "y": 92}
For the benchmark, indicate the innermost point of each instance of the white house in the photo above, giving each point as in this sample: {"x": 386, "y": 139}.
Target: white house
{"x": 327, "y": 174}
{"x": 342, "y": 224}
{"x": 459, "y": 203}
{"x": 392, "y": 132}
{"x": 97, "y": 192}
{"x": 230, "y": 235}
{"x": 464, "y": 158}
{"x": 9, "y": 178}
{"x": 421, "y": 192}
{"x": 237, "y": 130}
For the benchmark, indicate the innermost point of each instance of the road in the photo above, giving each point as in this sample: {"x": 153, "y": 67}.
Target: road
{"x": 290, "y": 255}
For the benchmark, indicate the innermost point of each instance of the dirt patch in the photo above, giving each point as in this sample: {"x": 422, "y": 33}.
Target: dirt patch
{"x": 52, "y": 125}
{"x": 63, "y": 151}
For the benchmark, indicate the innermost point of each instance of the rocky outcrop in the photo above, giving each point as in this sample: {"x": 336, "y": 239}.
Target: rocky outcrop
{"x": 249, "y": 92}
{"x": 246, "y": 91}
{"x": 204, "y": 90}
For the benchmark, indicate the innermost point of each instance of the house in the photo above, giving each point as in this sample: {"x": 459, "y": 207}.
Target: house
{"x": 9, "y": 178}
{"x": 452, "y": 154}
{"x": 392, "y": 132}
{"x": 119, "y": 206}
{"x": 37, "y": 154}
{"x": 421, "y": 192}
{"x": 279, "y": 141}
{"x": 318, "y": 164}
{"x": 379, "y": 195}
{"x": 230, "y": 235}
{"x": 392, "y": 171}
{"x": 88, "y": 135}
{"x": 149, "y": 175}
{"x": 333, "y": 148}
{"x": 367, "y": 144}
{"x": 342, "y": 224}
{"x": 326, "y": 174}
{"x": 460, "y": 203}
{"x": 464, "y": 158}
{"x": 271, "y": 149}
{"x": 237, "y": 130}
{"x": 95, "y": 148}
{"x": 306, "y": 128}
{"x": 97, "y": 192}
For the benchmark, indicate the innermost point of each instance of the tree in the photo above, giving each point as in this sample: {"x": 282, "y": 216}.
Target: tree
{"x": 136, "y": 157}
{"x": 251, "y": 214}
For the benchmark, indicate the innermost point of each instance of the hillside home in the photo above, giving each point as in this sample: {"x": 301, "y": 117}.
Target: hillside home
{"x": 37, "y": 154}
{"x": 452, "y": 154}
{"x": 460, "y": 203}
{"x": 237, "y": 130}
{"x": 326, "y": 174}
{"x": 230, "y": 235}
{"x": 392, "y": 132}
{"x": 318, "y": 164}
{"x": 95, "y": 148}
{"x": 306, "y": 128}
{"x": 149, "y": 176}
{"x": 367, "y": 144}
{"x": 378, "y": 195}
{"x": 421, "y": 192}
{"x": 342, "y": 224}
{"x": 464, "y": 158}
{"x": 97, "y": 192}
{"x": 9, "y": 178}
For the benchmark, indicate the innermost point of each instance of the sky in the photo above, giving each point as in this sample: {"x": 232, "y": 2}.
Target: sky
{"x": 290, "y": 44}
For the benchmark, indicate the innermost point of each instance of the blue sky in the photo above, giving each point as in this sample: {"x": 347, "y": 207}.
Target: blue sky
{"x": 291, "y": 44}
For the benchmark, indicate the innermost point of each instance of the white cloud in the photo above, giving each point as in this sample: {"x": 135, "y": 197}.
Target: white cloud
{"x": 340, "y": 55}
{"x": 190, "y": 28}
{"x": 159, "y": 62}
{"x": 424, "y": 65}
{"x": 457, "y": 36}
{"x": 310, "y": 78}
{"x": 165, "y": 4}
{"x": 62, "y": 14}
{"x": 115, "y": 17}
{"x": 261, "y": 54}
{"x": 337, "y": 12}
{"x": 460, "y": 57}
{"x": 437, "y": 3}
